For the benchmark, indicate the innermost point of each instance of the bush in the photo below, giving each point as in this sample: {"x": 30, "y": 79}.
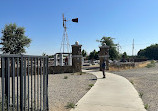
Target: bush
{"x": 140, "y": 95}
{"x": 151, "y": 64}
{"x": 146, "y": 106}
{"x": 70, "y": 105}
{"x": 65, "y": 77}
{"x": 91, "y": 85}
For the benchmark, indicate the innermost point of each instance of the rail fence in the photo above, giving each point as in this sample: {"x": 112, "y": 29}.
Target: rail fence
{"x": 23, "y": 83}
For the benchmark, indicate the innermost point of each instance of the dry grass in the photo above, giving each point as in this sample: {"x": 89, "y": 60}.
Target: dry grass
{"x": 138, "y": 65}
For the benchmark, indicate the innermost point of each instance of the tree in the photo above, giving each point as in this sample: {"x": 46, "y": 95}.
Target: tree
{"x": 84, "y": 53}
{"x": 14, "y": 40}
{"x": 150, "y": 52}
{"x": 125, "y": 55}
{"x": 43, "y": 54}
{"x": 93, "y": 55}
{"x": 109, "y": 42}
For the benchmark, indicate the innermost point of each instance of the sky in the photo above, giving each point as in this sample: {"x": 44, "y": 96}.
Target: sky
{"x": 123, "y": 20}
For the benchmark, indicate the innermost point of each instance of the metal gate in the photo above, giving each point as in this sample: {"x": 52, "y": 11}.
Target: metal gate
{"x": 24, "y": 83}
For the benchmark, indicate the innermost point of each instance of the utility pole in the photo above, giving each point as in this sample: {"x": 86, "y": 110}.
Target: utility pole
{"x": 133, "y": 50}
{"x": 118, "y": 47}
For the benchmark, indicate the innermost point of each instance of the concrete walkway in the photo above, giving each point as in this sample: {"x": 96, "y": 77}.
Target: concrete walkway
{"x": 115, "y": 93}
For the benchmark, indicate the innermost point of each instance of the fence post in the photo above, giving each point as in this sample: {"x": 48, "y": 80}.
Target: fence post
{"x": 3, "y": 72}
{"x": 44, "y": 84}
{"x": 47, "y": 72}
{"x": 21, "y": 83}
{"x": 6, "y": 80}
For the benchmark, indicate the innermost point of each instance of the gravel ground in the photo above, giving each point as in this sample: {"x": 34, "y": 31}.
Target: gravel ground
{"x": 60, "y": 91}
{"x": 72, "y": 89}
{"x": 146, "y": 82}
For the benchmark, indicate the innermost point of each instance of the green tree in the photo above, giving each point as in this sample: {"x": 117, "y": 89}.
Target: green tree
{"x": 84, "y": 53}
{"x": 93, "y": 55}
{"x": 112, "y": 47}
{"x": 125, "y": 55}
{"x": 150, "y": 52}
{"x": 43, "y": 54}
{"x": 14, "y": 40}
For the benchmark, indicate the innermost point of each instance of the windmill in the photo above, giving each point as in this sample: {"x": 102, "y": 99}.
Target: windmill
{"x": 65, "y": 46}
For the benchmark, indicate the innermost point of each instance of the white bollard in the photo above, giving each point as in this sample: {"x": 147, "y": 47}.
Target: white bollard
{"x": 55, "y": 60}
{"x": 61, "y": 59}
{"x": 69, "y": 60}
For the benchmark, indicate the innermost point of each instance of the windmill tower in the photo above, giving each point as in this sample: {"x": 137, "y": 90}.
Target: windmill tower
{"x": 65, "y": 46}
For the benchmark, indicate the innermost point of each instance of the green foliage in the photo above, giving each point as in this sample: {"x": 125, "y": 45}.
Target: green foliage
{"x": 146, "y": 106}
{"x": 150, "y": 52}
{"x": 70, "y": 105}
{"x": 93, "y": 55}
{"x": 14, "y": 40}
{"x": 91, "y": 85}
{"x": 140, "y": 95}
{"x": 132, "y": 82}
{"x": 151, "y": 64}
{"x": 51, "y": 56}
{"x": 125, "y": 55}
{"x": 65, "y": 77}
{"x": 84, "y": 53}
{"x": 109, "y": 42}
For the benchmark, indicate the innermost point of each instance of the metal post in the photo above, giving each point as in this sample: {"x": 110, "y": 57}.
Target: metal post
{"x": 6, "y": 80}
{"x": 8, "y": 83}
{"x": 17, "y": 84}
{"x": 40, "y": 84}
{"x": 47, "y": 102}
{"x": 21, "y": 83}
{"x": 44, "y": 84}
{"x": 3, "y": 71}
{"x": 31, "y": 84}
{"x": 35, "y": 84}
{"x": 24, "y": 84}
{"x": 28, "y": 84}
{"x": 13, "y": 83}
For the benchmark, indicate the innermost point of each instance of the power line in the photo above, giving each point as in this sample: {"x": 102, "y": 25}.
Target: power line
{"x": 124, "y": 45}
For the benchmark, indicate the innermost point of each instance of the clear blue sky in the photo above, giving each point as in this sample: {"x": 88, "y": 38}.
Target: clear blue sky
{"x": 123, "y": 20}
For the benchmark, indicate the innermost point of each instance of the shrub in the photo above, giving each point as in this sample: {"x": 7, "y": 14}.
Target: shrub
{"x": 140, "y": 95}
{"x": 65, "y": 77}
{"x": 131, "y": 81}
{"x": 151, "y": 64}
{"x": 70, "y": 105}
{"x": 91, "y": 85}
{"x": 146, "y": 106}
